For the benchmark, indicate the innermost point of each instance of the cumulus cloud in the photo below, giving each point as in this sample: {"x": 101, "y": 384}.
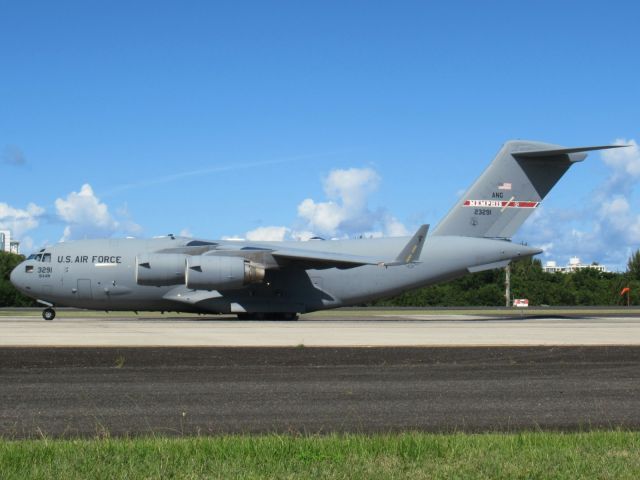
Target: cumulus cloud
{"x": 20, "y": 220}
{"x": 268, "y": 234}
{"x": 393, "y": 227}
{"x": 624, "y": 162}
{"x": 606, "y": 228}
{"x": 84, "y": 207}
{"x": 302, "y": 235}
{"x": 87, "y": 217}
{"x": 346, "y": 211}
{"x": 272, "y": 234}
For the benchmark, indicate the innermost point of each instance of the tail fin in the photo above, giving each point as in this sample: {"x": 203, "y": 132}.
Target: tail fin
{"x": 510, "y": 189}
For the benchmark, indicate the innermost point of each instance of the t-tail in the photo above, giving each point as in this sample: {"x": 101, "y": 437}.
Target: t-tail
{"x": 510, "y": 189}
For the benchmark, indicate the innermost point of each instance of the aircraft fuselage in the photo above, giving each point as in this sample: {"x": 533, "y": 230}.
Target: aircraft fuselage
{"x": 101, "y": 274}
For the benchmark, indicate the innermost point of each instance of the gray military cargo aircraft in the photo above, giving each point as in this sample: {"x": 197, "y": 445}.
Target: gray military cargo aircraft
{"x": 278, "y": 280}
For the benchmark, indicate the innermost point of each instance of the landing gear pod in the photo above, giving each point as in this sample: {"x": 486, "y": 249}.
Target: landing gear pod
{"x": 214, "y": 272}
{"x": 159, "y": 269}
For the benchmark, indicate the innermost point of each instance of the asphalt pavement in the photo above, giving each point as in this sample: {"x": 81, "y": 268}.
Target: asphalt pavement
{"x": 82, "y": 391}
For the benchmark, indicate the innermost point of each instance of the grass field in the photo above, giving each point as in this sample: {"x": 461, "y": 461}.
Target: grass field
{"x": 532, "y": 455}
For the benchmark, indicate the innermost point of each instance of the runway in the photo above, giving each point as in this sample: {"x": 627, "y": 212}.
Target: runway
{"x": 374, "y": 371}
{"x": 69, "y": 392}
{"x": 377, "y": 328}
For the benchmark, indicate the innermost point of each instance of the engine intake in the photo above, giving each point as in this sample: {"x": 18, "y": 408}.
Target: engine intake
{"x": 215, "y": 272}
{"x": 159, "y": 269}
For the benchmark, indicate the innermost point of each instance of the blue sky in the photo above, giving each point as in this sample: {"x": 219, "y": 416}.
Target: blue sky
{"x": 281, "y": 119}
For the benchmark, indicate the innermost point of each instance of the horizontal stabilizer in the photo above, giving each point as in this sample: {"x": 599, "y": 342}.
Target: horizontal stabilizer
{"x": 555, "y": 152}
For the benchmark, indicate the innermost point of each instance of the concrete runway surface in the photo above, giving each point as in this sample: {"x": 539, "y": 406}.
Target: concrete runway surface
{"x": 70, "y": 392}
{"x": 369, "y": 329}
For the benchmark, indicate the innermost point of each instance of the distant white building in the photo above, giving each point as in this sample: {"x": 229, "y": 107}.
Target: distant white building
{"x": 574, "y": 265}
{"x": 6, "y": 245}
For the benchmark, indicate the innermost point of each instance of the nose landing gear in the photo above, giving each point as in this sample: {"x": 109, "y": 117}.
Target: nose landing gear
{"x": 48, "y": 314}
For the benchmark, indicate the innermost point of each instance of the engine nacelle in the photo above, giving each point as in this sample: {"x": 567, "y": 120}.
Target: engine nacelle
{"x": 216, "y": 272}
{"x": 160, "y": 269}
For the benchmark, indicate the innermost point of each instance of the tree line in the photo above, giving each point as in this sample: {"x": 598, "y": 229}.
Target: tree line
{"x": 582, "y": 288}
{"x": 586, "y": 287}
{"x": 9, "y": 296}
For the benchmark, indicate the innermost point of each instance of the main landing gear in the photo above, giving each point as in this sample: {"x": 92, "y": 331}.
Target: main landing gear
{"x": 48, "y": 314}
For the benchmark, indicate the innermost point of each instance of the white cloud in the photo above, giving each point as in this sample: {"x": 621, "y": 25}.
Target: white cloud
{"x": 394, "y": 228}
{"x": 623, "y": 161}
{"x": 233, "y": 238}
{"x": 606, "y": 228}
{"x": 19, "y": 220}
{"x": 346, "y": 212}
{"x": 268, "y": 234}
{"x": 302, "y": 235}
{"x": 352, "y": 186}
{"x": 324, "y": 216}
{"x": 87, "y": 217}
{"x": 84, "y": 208}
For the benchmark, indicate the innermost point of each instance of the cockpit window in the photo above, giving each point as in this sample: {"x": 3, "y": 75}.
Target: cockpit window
{"x": 46, "y": 257}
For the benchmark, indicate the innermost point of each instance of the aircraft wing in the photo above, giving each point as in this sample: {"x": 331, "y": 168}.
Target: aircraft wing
{"x": 325, "y": 259}
{"x": 312, "y": 258}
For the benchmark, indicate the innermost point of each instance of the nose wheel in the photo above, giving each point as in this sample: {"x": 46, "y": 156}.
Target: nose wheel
{"x": 48, "y": 314}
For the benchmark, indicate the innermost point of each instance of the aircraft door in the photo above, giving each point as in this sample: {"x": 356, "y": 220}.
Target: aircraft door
{"x": 84, "y": 289}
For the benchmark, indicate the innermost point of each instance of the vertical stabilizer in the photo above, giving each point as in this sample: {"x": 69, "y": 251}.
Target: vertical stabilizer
{"x": 510, "y": 189}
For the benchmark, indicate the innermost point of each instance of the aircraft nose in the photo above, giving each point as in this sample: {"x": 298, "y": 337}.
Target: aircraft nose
{"x": 14, "y": 277}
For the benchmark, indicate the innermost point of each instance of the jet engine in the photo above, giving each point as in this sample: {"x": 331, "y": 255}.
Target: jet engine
{"x": 159, "y": 269}
{"x": 216, "y": 272}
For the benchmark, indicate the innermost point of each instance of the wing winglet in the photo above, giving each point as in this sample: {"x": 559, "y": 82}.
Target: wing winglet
{"x": 412, "y": 249}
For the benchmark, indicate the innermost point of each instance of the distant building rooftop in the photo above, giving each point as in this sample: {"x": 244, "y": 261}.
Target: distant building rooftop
{"x": 573, "y": 266}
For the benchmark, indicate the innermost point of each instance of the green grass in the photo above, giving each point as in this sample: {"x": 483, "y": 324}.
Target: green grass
{"x": 531, "y": 455}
